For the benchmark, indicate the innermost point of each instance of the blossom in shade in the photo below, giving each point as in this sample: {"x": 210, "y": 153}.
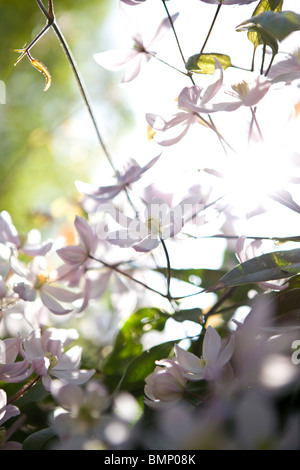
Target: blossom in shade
{"x": 39, "y": 281}
{"x": 229, "y": 2}
{"x": 192, "y": 101}
{"x": 132, "y": 2}
{"x": 214, "y": 357}
{"x": 166, "y": 385}
{"x": 45, "y": 352}
{"x": 135, "y": 57}
{"x": 11, "y": 371}
{"x": 81, "y": 409}
{"x": 6, "y": 411}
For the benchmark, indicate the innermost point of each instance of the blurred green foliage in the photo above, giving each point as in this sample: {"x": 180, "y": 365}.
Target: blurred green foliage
{"x": 42, "y": 153}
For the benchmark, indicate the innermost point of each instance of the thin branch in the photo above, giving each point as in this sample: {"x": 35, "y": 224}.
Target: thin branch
{"x": 168, "y": 267}
{"x": 177, "y": 40}
{"x": 211, "y": 28}
{"x": 20, "y": 393}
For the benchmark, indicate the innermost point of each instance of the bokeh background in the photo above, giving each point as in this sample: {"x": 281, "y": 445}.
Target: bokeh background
{"x": 44, "y": 144}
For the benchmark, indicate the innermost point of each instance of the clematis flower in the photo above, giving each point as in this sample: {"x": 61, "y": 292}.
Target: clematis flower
{"x": 6, "y": 411}
{"x": 130, "y": 173}
{"x": 9, "y": 237}
{"x": 11, "y": 371}
{"x": 79, "y": 269}
{"x": 245, "y": 93}
{"x": 81, "y": 410}
{"x": 40, "y": 281}
{"x": 45, "y": 351}
{"x": 135, "y": 57}
{"x": 191, "y": 102}
{"x": 214, "y": 357}
{"x": 229, "y": 2}
{"x": 132, "y": 2}
{"x": 166, "y": 385}
{"x": 160, "y": 222}
{"x": 286, "y": 70}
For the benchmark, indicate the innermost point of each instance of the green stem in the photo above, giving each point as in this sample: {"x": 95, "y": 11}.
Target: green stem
{"x": 168, "y": 267}
{"x": 177, "y": 40}
{"x": 211, "y": 28}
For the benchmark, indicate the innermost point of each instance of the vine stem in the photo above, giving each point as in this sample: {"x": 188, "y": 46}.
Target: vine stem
{"x": 211, "y": 28}
{"x": 124, "y": 273}
{"x": 168, "y": 267}
{"x": 20, "y": 393}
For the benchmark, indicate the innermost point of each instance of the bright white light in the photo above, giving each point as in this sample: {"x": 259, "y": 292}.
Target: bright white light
{"x": 249, "y": 178}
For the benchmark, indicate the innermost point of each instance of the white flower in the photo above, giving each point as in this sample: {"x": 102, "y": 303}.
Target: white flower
{"x": 45, "y": 351}
{"x": 213, "y": 359}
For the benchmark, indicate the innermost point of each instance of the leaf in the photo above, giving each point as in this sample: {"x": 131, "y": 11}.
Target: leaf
{"x": 143, "y": 365}
{"x": 270, "y": 24}
{"x": 128, "y": 342}
{"x": 264, "y": 5}
{"x": 41, "y": 68}
{"x": 205, "y": 63}
{"x": 38, "y": 440}
{"x": 267, "y": 267}
{"x": 193, "y": 314}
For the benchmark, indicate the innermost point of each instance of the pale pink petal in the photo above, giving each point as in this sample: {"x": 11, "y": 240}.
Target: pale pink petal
{"x": 211, "y": 345}
{"x": 41, "y": 250}
{"x": 213, "y": 89}
{"x": 61, "y": 293}
{"x": 53, "y": 305}
{"x": 162, "y": 29}
{"x": 115, "y": 59}
{"x": 25, "y": 291}
{"x": 74, "y": 255}
{"x": 134, "y": 67}
{"x": 188, "y": 361}
{"x": 227, "y": 352}
{"x": 146, "y": 245}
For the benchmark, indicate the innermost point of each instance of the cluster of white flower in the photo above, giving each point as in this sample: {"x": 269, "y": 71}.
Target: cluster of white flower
{"x": 224, "y": 394}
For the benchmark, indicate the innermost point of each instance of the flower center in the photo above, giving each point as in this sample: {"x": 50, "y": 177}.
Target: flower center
{"x": 153, "y": 224}
{"x": 242, "y": 89}
{"x": 41, "y": 279}
{"x": 52, "y": 360}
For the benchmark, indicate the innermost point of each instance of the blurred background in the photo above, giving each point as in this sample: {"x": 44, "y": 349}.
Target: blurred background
{"x": 44, "y": 143}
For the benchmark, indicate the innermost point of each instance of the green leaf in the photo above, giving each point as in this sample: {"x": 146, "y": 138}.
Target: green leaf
{"x": 128, "y": 342}
{"x": 38, "y": 440}
{"x": 268, "y": 267}
{"x": 205, "y": 63}
{"x": 143, "y": 365}
{"x": 264, "y": 5}
{"x": 194, "y": 314}
{"x": 272, "y": 25}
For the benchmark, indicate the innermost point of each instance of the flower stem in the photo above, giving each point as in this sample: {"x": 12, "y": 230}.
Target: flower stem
{"x": 177, "y": 40}
{"x": 168, "y": 267}
{"x": 211, "y": 28}
{"x": 20, "y": 393}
